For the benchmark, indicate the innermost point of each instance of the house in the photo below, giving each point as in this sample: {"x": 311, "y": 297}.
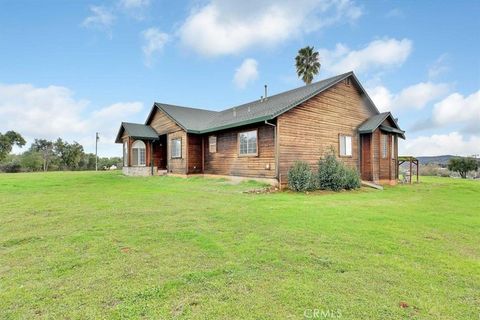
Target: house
{"x": 263, "y": 138}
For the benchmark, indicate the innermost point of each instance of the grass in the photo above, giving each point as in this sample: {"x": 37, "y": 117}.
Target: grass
{"x": 102, "y": 245}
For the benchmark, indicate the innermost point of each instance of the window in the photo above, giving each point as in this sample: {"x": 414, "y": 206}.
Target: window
{"x": 345, "y": 146}
{"x": 384, "y": 145}
{"x": 138, "y": 153}
{"x": 212, "y": 144}
{"x": 125, "y": 153}
{"x": 176, "y": 148}
{"x": 392, "y": 152}
{"x": 248, "y": 143}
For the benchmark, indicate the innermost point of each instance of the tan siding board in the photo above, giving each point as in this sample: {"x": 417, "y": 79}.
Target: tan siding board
{"x": 177, "y": 165}
{"x": 163, "y": 124}
{"x": 226, "y": 160}
{"x": 307, "y": 131}
{"x": 194, "y": 153}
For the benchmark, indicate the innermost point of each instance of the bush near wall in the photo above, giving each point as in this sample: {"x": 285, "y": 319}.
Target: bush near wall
{"x": 331, "y": 175}
{"x": 300, "y": 177}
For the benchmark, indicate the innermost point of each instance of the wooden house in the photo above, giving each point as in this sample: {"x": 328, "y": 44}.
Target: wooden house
{"x": 263, "y": 138}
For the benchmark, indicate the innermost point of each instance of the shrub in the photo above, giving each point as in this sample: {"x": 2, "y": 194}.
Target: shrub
{"x": 352, "y": 179}
{"x": 334, "y": 175}
{"x": 11, "y": 167}
{"x": 330, "y": 174}
{"x": 300, "y": 177}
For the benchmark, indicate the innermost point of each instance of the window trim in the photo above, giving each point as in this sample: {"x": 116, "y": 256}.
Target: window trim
{"x": 256, "y": 145}
{"x": 392, "y": 147}
{"x": 210, "y": 144}
{"x": 125, "y": 153}
{"x": 340, "y": 146}
{"x": 384, "y": 145}
{"x": 171, "y": 145}
{"x": 139, "y": 154}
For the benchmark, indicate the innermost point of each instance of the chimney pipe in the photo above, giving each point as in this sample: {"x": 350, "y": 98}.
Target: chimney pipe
{"x": 265, "y": 92}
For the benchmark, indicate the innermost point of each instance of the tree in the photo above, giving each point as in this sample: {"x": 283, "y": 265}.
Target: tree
{"x": 44, "y": 147}
{"x": 8, "y": 140}
{"x": 307, "y": 64}
{"x": 68, "y": 154}
{"x": 31, "y": 161}
{"x": 462, "y": 166}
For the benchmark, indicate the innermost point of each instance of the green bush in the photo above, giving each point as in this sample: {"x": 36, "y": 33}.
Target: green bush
{"x": 300, "y": 177}
{"x": 352, "y": 179}
{"x": 11, "y": 167}
{"x": 334, "y": 175}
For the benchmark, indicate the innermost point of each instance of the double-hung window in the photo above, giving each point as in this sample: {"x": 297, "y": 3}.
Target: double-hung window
{"x": 176, "y": 148}
{"x": 248, "y": 143}
{"x": 345, "y": 145}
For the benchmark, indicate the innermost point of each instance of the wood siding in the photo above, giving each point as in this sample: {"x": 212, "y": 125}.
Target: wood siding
{"x": 194, "y": 153}
{"x": 226, "y": 161}
{"x": 309, "y": 130}
{"x": 162, "y": 123}
{"x": 384, "y": 169}
{"x": 177, "y": 165}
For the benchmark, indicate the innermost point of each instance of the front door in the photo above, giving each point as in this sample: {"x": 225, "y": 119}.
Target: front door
{"x": 366, "y": 163}
{"x": 160, "y": 153}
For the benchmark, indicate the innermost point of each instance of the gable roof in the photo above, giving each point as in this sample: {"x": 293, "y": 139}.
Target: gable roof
{"x": 195, "y": 120}
{"x": 376, "y": 121}
{"x": 136, "y": 130}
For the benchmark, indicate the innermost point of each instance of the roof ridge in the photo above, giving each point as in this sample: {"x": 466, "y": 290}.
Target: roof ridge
{"x": 292, "y": 90}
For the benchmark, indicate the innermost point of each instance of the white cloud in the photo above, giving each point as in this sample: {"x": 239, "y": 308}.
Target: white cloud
{"x": 395, "y": 13}
{"x": 416, "y": 96}
{"x": 457, "y": 109}
{"x": 438, "y": 67}
{"x": 101, "y": 19}
{"x": 229, "y": 27}
{"x": 134, "y": 4}
{"x": 154, "y": 41}
{"x": 53, "y": 111}
{"x": 135, "y": 8}
{"x": 440, "y": 144}
{"x": 246, "y": 73}
{"x": 377, "y": 55}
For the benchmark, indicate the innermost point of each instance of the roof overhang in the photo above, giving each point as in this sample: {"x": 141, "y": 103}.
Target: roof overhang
{"x": 148, "y": 135}
{"x": 376, "y": 122}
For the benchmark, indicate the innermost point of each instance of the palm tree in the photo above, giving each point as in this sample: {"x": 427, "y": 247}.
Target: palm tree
{"x": 307, "y": 64}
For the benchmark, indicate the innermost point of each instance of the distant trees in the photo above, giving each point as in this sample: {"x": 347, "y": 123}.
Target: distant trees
{"x": 8, "y": 140}
{"x": 307, "y": 63}
{"x": 46, "y": 155}
{"x": 45, "y": 148}
{"x": 69, "y": 155}
{"x": 462, "y": 166}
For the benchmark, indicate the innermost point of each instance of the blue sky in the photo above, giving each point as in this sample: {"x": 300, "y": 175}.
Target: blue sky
{"x": 70, "y": 68}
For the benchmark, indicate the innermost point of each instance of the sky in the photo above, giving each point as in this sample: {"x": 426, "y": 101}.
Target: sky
{"x": 72, "y": 68}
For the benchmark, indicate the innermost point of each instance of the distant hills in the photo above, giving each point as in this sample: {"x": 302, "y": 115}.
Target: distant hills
{"x": 441, "y": 160}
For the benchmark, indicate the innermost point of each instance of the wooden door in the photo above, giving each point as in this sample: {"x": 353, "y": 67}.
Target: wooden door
{"x": 366, "y": 163}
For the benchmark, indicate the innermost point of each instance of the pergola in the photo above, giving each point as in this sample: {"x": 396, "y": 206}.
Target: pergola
{"x": 412, "y": 161}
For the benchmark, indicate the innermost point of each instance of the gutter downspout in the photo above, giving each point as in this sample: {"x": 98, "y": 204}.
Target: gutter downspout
{"x": 276, "y": 148}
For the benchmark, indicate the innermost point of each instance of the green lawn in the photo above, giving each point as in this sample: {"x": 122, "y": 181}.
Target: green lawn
{"x": 102, "y": 245}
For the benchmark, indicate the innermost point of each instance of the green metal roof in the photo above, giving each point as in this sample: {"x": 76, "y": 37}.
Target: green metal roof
{"x": 376, "y": 121}
{"x": 196, "y": 120}
{"x": 136, "y": 130}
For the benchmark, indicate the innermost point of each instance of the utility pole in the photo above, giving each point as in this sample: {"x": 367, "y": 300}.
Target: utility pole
{"x": 96, "y": 148}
